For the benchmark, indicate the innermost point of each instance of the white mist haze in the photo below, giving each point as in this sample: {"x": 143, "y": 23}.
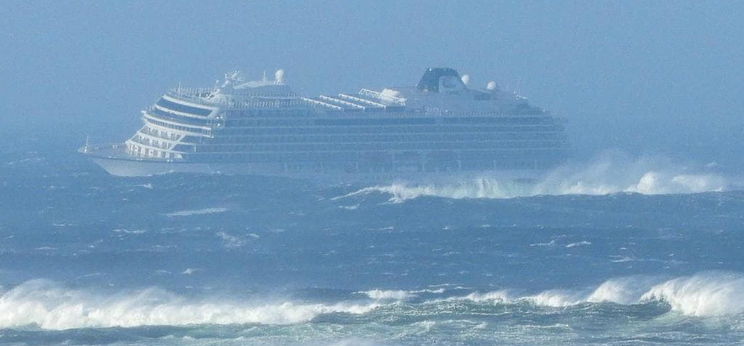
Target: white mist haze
{"x": 652, "y": 78}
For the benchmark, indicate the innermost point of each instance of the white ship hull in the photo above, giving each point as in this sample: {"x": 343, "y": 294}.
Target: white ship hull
{"x": 123, "y": 167}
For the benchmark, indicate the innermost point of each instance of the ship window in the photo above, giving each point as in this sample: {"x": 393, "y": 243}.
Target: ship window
{"x": 389, "y": 121}
{"x": 179, "y": 118}
{"x": 183, "y": 108}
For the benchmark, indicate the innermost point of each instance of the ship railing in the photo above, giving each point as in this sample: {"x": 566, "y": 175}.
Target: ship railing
{"x": 380, "y": 96}
{"x": 104, "y": 149}
{"x": 428, "y": 111}
{"x": 198, "y": 96}
{"x": 333, "y": 100}
{"x": 322, "y": 104}
{"x": 365, "y": 101}
{"x": 180, "y": 91}
{"x": 205, "y": 92}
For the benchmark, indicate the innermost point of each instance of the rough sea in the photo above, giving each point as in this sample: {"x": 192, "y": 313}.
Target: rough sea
{"x": 615, "y": 251}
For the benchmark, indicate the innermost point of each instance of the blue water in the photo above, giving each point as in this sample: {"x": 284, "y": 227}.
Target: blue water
{"x": 600, "y": 254}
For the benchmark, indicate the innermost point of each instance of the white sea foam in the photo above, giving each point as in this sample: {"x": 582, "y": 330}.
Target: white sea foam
{"x": 355, "y": 341}
{"x": 608, "y": 174}
{"x": 197, "y": 212}
{"x": 127, "y": 231}
{"x": 706, "y": 294}
{"x": 189, "y": 271}
{"x": 500, "y": 296}
{"x": 551, "y": 298}
{"x": 580, "y": 243}
{"x": 231, "y": 241}
{"x": 626, "y": 290}
{"x": 388, "y": 294}
{"x": 378, "y": 294}
{"x": 702, "y": 294}
{"x": 50, "y": 306}
{"x": 495, "y": 296}
{"x": 47, "y": 305}
{"x": 554, "y": 298}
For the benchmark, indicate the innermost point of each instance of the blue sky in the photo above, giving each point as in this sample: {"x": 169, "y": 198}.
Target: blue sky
{"x": 645, "y": 77}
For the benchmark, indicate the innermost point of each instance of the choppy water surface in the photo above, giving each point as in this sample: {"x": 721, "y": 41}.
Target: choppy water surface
{"x": 605, "y": 253}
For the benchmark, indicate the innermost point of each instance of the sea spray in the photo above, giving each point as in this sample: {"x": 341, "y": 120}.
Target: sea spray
{"x": 706, "y": 294}
{"x": 608, "y": 174}
{"x": 624, "y": 290}
{"x": 48, "y": 305}
{"x": 204, "y": 211}
{"x": 702, "y": 294}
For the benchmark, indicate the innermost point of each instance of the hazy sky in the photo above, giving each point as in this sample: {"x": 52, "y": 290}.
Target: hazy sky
{"x": 645, "y": 77}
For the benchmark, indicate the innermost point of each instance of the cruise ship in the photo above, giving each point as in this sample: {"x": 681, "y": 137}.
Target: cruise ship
{"x": 440, "y": 127}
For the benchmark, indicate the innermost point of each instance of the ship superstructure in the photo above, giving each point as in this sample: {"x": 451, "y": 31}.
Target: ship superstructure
{"x": 440, "y": 126}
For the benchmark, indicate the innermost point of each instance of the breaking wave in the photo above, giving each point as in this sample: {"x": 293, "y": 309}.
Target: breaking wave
{"x": 204, "y": 211}
{"x": 47, "y": 305}
{"x": 389, "y": 294}
{"x": 378, "y": 294}
{"x": 703, "y": 294}
{"x": 612, "y": 173}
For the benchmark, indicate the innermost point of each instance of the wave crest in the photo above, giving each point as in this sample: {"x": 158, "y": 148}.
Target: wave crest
{"x": 612, "y": 173}
{"x": 709, "y": 294}
{"x": 48, "y": 306}
{"x": 204, "y": 211}
{"x": 378, "y": 294}
{"x": 702, "y": 294}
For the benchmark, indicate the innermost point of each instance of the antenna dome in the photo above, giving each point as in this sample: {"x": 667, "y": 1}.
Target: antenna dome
{"x": 279, "y": 76}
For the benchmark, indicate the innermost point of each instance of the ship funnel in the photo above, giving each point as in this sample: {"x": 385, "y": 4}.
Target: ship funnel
{"x": 279, "y": 76}
{"x": 440, "y": 79}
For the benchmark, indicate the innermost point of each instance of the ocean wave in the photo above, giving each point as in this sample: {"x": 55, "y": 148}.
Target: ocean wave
{"x": 379, "y": 294}
{"x": 555, "y": 298}
{"x": 204, "y": 211}
{"x": 388, "y": 294}
{"x": 501, "y": 296}
{"x": 703, "y": 294}
{"x": 47, "y": 305}
{"x": 611, "y": 173}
